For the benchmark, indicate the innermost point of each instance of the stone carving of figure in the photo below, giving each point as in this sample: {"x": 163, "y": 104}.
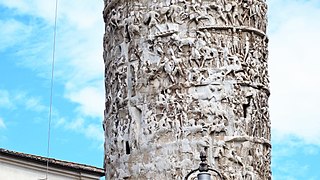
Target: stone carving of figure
{"x": 158, "y": 46}
{"x": 219, "y": 151}
{"x": 180, "y": 66}
{"x": 256, "y": 11}
{"x": 131, "y": 27}
{"x": 181, "y": 42}
{"x": 235, "y": 13}
{"x": 263, "y": 10}
{"x": 115, "y": 18}
{"x": 236, "y": 44}
{"x": 169, "y": 68}
{"x": 171, "y": 13}
{"x": 246, "y": 12}
{"x": 151, "y": 19}
{"x": 221, "y": 16}
{"x": 175, "y": 13}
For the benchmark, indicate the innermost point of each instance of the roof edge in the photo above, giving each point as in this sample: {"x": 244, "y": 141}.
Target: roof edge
{"x": 55, "y": 162}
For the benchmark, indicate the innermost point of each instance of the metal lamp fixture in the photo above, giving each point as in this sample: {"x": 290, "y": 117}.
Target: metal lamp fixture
{"x": 203, "y": 169}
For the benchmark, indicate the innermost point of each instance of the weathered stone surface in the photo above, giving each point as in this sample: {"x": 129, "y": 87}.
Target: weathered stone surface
{"x": 185, "y": 76}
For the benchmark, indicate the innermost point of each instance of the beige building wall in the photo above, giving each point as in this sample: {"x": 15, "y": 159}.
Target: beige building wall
{"x": 20, "y": 166}
{"x": 12, "y": 171}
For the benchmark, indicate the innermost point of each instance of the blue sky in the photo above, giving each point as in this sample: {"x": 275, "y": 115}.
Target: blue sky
{"x": 78, "y": 102}
{"x": 25, "y": 71}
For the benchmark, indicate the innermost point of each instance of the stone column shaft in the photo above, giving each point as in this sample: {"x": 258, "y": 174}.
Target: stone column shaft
{"x": 185, "y": 76}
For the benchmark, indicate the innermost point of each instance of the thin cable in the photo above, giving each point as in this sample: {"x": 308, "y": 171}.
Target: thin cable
{"x": 51, "y": 89}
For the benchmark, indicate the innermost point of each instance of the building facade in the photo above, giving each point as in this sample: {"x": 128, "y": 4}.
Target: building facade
{"x": 184, "y": 77}
{"x": 16, "y": 165}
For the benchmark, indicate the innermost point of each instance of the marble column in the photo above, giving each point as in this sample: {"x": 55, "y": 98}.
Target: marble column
{"x": 184, "y": 77}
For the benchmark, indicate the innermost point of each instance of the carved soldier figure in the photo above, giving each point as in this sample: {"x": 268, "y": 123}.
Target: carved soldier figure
{"x": 151, "y": 18}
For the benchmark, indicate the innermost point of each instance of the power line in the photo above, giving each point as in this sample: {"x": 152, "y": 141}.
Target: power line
{"x": 51, "y": 88}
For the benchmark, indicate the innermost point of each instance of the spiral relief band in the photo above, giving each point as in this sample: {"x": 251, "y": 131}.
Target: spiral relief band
{"x": 182, "y": 77}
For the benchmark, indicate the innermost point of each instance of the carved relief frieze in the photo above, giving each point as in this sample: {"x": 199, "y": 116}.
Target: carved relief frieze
{"x": 183, "y": 76}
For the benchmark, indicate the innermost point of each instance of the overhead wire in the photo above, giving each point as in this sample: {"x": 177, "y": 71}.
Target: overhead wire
{"x": 51, "y": 86}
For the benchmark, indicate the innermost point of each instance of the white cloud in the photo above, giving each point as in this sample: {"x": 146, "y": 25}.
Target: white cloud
{"x": 3, "y": 137}
{"x": 59, "y": 121}
{"x": 78, "y": 64}
{"x": 291, "y": 170}
{"x": 2, "y": 125}
{"x": 90, "y": 100}
{"x": 29, "y": 102}
{"x": 35, "y": 105}
{"x": 293, "y": 158}
{"x": 39, "y": 8}
{"x": 12, "y": 32}
{"x": 95, "y": 132}
{"x": 85, "y": 14}
{"x": 77, "y": 124}
{"x": 5, "y": 99}
{"x": 82, "y": 13}
{"x": 91, "y": 131}
{"x": 293, "y": 65}
{"x": 21, "y": 100}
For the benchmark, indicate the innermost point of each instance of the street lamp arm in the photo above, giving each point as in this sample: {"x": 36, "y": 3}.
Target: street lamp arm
{"x": 209, "y": 169}
{"x": 191, "y": 172}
